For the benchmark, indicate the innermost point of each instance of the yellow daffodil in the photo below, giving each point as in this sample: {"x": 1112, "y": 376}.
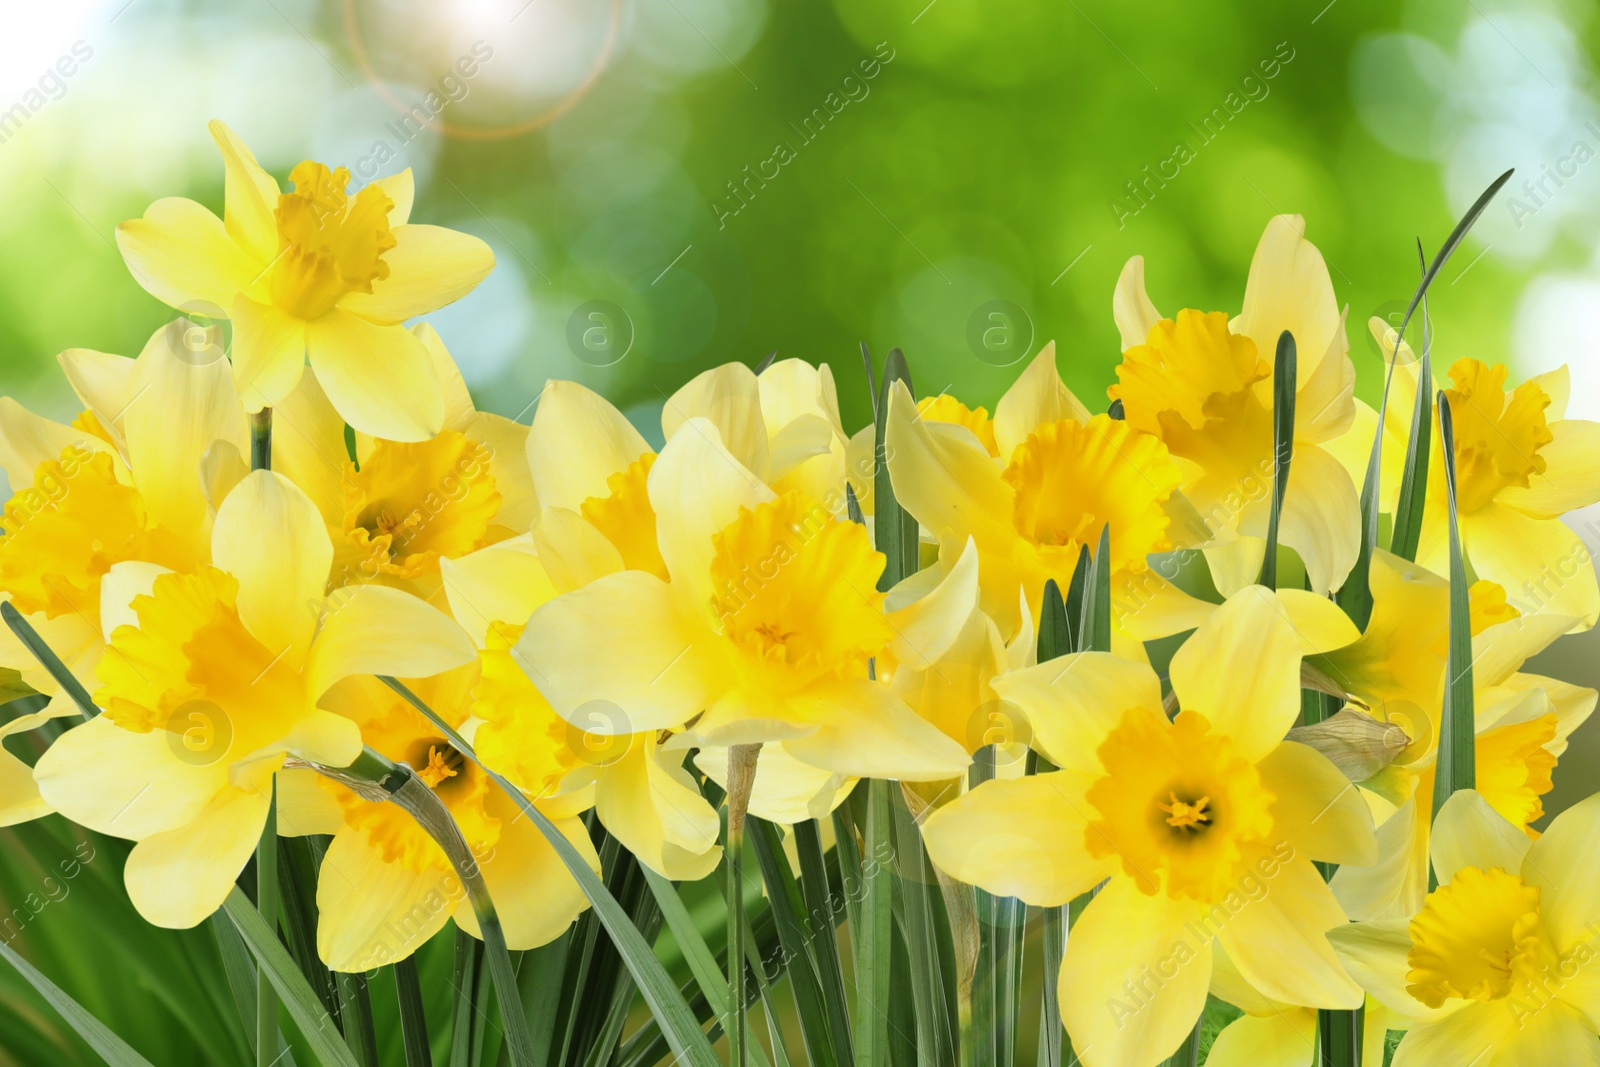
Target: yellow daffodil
{"x": 1522, "y": 721}
{"x": 1273, "y": 1034}
{"x": 1060, "y": 477}
{"x": 638, "y": 787}
{"x": 318, "y": 273}
{"x": 1204, "y": 386}
{"x": 763, "y": 631}
{"x": 1203, "y": 828}
{"x": 212, "y": 678}
{"x": 385, "y": 885}
{"x": 1496, "y": 966}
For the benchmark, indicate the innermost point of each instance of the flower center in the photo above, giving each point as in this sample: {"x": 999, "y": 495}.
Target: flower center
{"x": 1513, "y": 768}
{"x": 329, "y": 243}
{"x": 946, "y": 408}
{"x": 1177, "y": 805}
{"x": 1069, "y": 479}
{"x": 1497, "y": 435}
{"x": 797, "y": 589}
{"x": 410, "y": 504}
{"x": 1477, "y": 938}
{"x": 626, "y": 518}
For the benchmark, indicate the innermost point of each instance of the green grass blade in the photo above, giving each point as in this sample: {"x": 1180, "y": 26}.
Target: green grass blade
{"x": 355, "y": 1011}
{"x": 1094, "y": 622}
{"x": 874, "y": 934}
{"x": 820, "y": 922}
{"x": 1283, "y": 403}
{"x": 1407, "y": 532}
{"x": 467, "y": 1016}
{"x": 1055, "y": 639}
{"x": 112, "y": 1048}
{"x": 267, "y": 1037}
{"x": 49, "y": 660}
{"x": 299, "y": 860}
{"x": 894, "y": 530}
{"x": 1457, "y": 766}
{"x": 413, "y": 1019}
{"x": 683, "y": 1032}
{"x": 315, "y": 1026}
{"x": 924, "y": 927}
{"x": 240, "y": 969}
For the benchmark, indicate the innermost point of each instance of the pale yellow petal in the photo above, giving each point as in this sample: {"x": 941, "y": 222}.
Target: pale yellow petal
{"x": 184, "y": 257}
{"x": 866, "y": 731}
{"x": 1115, "y": 1012}
{"x": 628, "y": 640}
{"x": 1553, "y": 1032}
{"x": 786, "y": 790}
{"x": 577, "y": 441}
{"x": 1241, "y": 670}
{"x": 371, "y": 912}
{"x": 306, "y": 805}
{"x": 1289, "y": 289}
{"x": 1571, "y": 479}
{"x": 1318, "y": 622}
{"x": 1479, "y": 1027}
{"x": 1236, "y": 564}
{"x": 1131, "y": 307}
{"x": 458, "y": 409}
{"x": 1565, "y": 865}
{"x": 1072, "y": 702}
{"x": 1377, "y": 956}
{"x": 574, "y": 552}
{"x": 1276, "y": 935}
{"x": 1396, "y": 885}
{"x": 124, "y": 581}
{"x": 1325, "y": 405}
{"x": 1022, "y": 837}
{"x": 1037, "y": 397}
{"x": 502, "y": 583}
{"x": 308, "y": 446}
{"x": 1317, "y": 810}
{"x": 534, "y": 894}
{"x": 727, "y": 397}
{"x": 102, "y": 382}
{"x": 429, "y": 267}
{"x": 1287, "y": 1038}
{"x": 269, "y": 352}
{"x": 1541, "y": 563}
{"x": 378, "y": 377}
{"x": 401, "y": 190}
{"x": 926, "y": 627}
{"x": 1557, "y": 385}
{"x": 27, "y": 440}
{"x": 656, "y": 812}
{"x": 250, "y": 195}
{"x": 1231, "y": 986}
{"x": 507, "y": 443}
{"x": 270, "y": 536}
{"x": 177, "y": 879}
{"x": 1147, "y": 607}
{"x": 20, "y": 800}
{"x": 377, "y": 630}
{"x": 1467, "y": 832}
{"x": 1321, "y": 518}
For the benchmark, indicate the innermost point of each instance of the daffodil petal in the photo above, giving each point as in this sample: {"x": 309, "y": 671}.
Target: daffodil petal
{"x": 1131, "y": 307}
{"x": 1377, "y": 956}
{"x": 1553, "y": 1032}
{"x": 101, "y": 381}
{"x": 573, "y": 551}
{"x": 1115, "y": 1013}
{"x": 429, "y": 267}
{"x": 1325, "y": 405}
{"x": 124, "y": 581}
{"x": 1467, "y": 832}
{"x": 1321, "y": 518}
{"x": 1541, "y": 563}
{"x": 866, "y": 731}
{"x": 371, "y": 912}
{"x": 183, "y": 256}
{"x": 250, "y": 195}
{"x": 1285, "y": 1039}
{"x": 1396, "y": 885}
{"x": 27, "y": 440}
{"x": 727, "y": 397}
{"x": 925, "y": 628}
{"x": 657, "y": 814}
{"x": 177, "y": 879}
{"x": 1241, "y": 669}
{"x": 1318, "y": 622}
{"x": 1037, "y": 397}
{"x": 280, "y": 591}
{"x": 1277, "y": 939}
{"x": 1072, "y": 702}
{"x": 628, "y": 640}
{"x": 1289, "y": 289}
{"x": 1318, "y": 810}
{"x": 1022, "y": 837}
{"x": 1235, "y": 564}
{"x": 305, "y": 805}
{"x": 534, "y": 894}
{"x": 377, "y": 630}
{"x": 1457, "y": 1038}
{"x": 502, "y": 583}
{"x": 308, "y": 446}
{"x": 1565, "y": 866}
{"x": 378, "y": 377}
{"x": 507, "y": 443}
{"x": 1571, "y": 479}
{"x": 786, "y": 790}
{"x": 577, "y": 441}
{"x": 1146, "y": 606}
{"x": 401, "y": 190}
{"x": 20, "y": 800}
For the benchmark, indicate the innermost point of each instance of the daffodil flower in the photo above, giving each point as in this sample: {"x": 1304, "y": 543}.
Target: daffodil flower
{"x": 1522, "y": 721}
{"x": 385, "y": 886}
{"x": 212, "y": 678}
{"x": 1058, "y": 479}
{"x": 638, "y": 787}
{"x": 1204, "y": 386}
{"x": 318, "y": 273}
{"x": 1274, "y": 1034}
{"x": 1497, "y": 965}
{"x": 1203, "y": 829}
{"x": 764, "y": 630}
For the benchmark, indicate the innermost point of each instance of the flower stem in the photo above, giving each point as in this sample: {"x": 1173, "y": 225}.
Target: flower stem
{"x": 741, "y": 777}
{"x": 267, "y": 904}
{"x": 261, "y": 440}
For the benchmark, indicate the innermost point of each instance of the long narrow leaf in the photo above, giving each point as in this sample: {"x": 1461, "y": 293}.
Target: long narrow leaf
{"x": 874, "y": 934}
{"x": 925, "y": 928}
{"x": 678, "y": 1023}
{"x": 820, "y": 922}
{"x": 275, "y": 962}
{"x": 1283, "y": 403}
{"x": 1055, "y": 640}
{"x": 1457, "y": 765}
{"x": 49, "y": 660}
{"x": 112, "y": 1048}
{"x": 413, "y": 1019}
{"x": 1407, "y": 532}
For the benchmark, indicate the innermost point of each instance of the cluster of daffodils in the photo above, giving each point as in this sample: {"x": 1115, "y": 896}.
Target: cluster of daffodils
{"x": 234, "y": 545}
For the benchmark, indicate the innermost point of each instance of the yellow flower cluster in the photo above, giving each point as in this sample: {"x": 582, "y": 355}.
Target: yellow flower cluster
{"x": 610, "y": 625}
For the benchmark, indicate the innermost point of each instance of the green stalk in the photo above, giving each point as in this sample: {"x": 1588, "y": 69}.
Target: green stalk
{"x": 413, "y": 1021}
{"x": 1283, "y": 381}
{"x": 1457, "y": 762}
{"x": 267, "y": 904}
{"x": 261, "y": 440}
{"x": 741, "y": 777}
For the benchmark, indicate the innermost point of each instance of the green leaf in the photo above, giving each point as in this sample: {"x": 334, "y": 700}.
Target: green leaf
{"x": 820, "y": 921}
{"x": 1284, "y": 380}
{"x": 874, "y": 933}
{"x": 1407, "y": 532}
{"x": 894, "y": 531}
{"x": 299, "y": 860}
{"x": 239, "y": 967}
{"x": 267, "y": 1036}
{"x": 678, "y": 1023}
{"x": 1354, "y": 596}
{"x": 1094, "y": 623}
{"x": 467, "y": 1015}
{"x": 12, "y": 687}
{"x": 112, "y": 1048}
{"x": 49, "y": 660}
{"x": 924, "y": 927}
{"x": 274, "y": 961}
{"x": 1055, "y": 640}
{"x": 413, "y": 1020}
{"x": 1457, "y": 765}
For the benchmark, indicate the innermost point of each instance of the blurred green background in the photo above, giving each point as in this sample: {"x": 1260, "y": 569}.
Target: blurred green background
{"x": 711, "y": 180}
